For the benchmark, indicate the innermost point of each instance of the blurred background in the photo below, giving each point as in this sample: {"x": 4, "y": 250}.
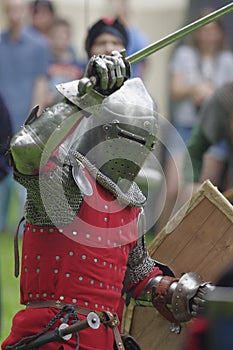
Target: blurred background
{"x": 154, "y": 19}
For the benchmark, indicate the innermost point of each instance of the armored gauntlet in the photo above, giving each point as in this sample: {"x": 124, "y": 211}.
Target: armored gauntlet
{"x": 105, "y": 73}
{"x": 178, "y": 300}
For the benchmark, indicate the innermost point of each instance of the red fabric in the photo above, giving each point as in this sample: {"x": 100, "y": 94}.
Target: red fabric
{"x": 195, "y": 329}
{"x": 139, "y": 287}
{"x": 80, "y": 269}
{"x": 30, "y": 321}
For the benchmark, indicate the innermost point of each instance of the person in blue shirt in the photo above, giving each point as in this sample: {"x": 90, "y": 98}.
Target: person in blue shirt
{"x": 23, "y": 69}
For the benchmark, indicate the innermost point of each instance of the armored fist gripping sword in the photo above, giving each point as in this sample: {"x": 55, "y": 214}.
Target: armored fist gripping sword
{"x": 87, "y": 84}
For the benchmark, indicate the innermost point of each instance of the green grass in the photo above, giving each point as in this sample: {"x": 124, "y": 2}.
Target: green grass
{"x": 9, "y": 285}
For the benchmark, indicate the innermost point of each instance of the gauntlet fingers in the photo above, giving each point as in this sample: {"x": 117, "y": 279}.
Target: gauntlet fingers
{"x": 120, "y": 70}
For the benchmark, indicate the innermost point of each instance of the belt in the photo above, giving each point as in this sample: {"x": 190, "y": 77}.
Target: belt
{"x": 57, "y": 305}
{"x": 107, "y": 318}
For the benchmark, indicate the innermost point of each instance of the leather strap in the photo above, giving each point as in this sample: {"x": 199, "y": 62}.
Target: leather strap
{"x": 107, "y": 318}
{"x": 16, "y": 247}
{"x": 159, "y": 298}
{"x": 57, "y": 305}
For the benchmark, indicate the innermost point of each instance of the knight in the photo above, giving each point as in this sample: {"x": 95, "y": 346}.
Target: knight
{"x": 84, "y": 244}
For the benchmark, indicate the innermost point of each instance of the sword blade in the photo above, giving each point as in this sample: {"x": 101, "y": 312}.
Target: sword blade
{"x": 171, "y": 38}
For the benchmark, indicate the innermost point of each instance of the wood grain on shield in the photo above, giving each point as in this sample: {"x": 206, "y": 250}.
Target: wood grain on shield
{"x": 198, "y": 238}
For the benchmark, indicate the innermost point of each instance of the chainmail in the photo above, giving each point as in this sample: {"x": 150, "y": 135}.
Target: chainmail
{"x": 139, "y": 262}
{"x": 53, "y": 198}
{"x": 134, "y": 197}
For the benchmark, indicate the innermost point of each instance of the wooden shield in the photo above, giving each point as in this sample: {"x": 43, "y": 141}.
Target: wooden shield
{"x": 198, "y": 238}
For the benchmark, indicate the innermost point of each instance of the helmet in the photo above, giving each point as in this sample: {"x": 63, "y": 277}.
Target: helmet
{"x": 119, "y": 135}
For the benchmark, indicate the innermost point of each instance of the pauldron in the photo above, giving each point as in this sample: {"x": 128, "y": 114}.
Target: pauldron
{"x": 28, "y": 144}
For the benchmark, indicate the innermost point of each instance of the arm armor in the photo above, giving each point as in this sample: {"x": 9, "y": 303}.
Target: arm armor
{"x": 175, "y": 298}
{"x": 28, "y": 144}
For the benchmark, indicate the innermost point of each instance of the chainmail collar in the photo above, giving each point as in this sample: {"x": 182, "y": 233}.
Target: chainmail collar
{"x": 133, "y": 197}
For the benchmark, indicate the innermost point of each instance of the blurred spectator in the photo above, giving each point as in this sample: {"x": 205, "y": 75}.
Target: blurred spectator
{"x": 195, "y": 7}
{"x": 196, "y": 69}
{"x": 42, "y": 14}
{"x": 5, "y": 174}
{"x": 104, "y": 36}
{"x": 23, "y": 64}
{"x": 216, "y": 123}
{"x": 137, "y": 38}
{"x": 64, "y": 65}
{"x": 23, "y": 68}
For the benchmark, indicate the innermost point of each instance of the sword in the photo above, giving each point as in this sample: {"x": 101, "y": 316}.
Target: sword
{"x": 171, "y": 38}
{"x": 87, "y": 84}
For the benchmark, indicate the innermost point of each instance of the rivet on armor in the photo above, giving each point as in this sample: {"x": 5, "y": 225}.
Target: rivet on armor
{"x": 52, "y": 295}
{"x": 108, "y": 241}
{"x": 37, "y": 295}
{"x": 122, "y": 220}
{"x": 92, "y": 281}
{"x": 86, "y": 303}
{"x": 25, "y": 257}
{"x": 67, "y": 275}
{"x": 57, "y": 257}
{"x": 99, "y": 238}
{"x": 84, "y": 257}
{"x": 44, "y": 294}
{"x": 80, "y": 278}
{"x": 30, "y": 295}
{"x": 74, "y": 233}
{"x": 38, "y": 257}
{"x": 55, "y": 270}
{"x": 114, "y": 244}
{"x": 25, "y": 269}
{"x": 101, "y": 284}
{"x": 71, "y": 253}
{"x": 104, "y": 263}
{"x": 41, "y": 230}
{"x": 147, "y": 123}
{"x": 95, "y": 260}
{"x": 88, "y": 235}
{"x": 60, "y": 230}
{"x": 96, "y": 305}
{"x": 37, "y": 270}
{"x": 102, "y": 307}
{"x": 106, "y": 206}
{"x": 61, "y": 297}
{"x": 110, "y": 265}
{"x": 105, "y": 219}
{"x": 51, "y": 230}
{"x": 33, "y": 230}
{"x": 113, "y": 288}
{"x": 74, "y": 301}
{"x": 120, "y": 231}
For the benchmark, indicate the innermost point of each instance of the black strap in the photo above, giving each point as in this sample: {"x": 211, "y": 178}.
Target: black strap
{"x": 16, "y": 247}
